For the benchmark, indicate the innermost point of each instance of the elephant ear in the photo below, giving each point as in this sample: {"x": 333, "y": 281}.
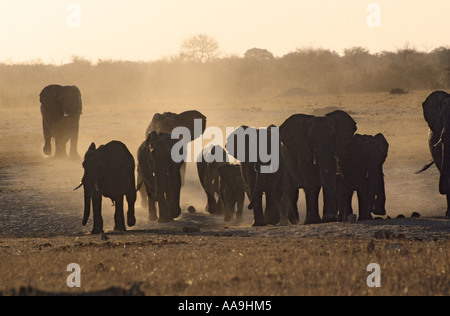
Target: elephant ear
{"x": 383, "y": 144}
{"x": 294, "y": 134}
{"x": 187, "y": 119}
{"x": 77, "y": 106}
{"x": 432, "y": 108}
{"x": 49, "y": 98}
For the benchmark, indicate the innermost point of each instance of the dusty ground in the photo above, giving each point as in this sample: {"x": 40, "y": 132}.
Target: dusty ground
{"x": 41, "y": 232}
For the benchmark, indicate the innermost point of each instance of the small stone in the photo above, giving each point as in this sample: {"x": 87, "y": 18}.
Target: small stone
{"x": 192, "y": 210}
{"x": 401, "y": 217}
{"x": 415, "y": 215}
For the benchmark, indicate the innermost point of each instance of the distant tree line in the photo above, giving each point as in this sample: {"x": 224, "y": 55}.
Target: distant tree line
{"x": 208, "y": 74}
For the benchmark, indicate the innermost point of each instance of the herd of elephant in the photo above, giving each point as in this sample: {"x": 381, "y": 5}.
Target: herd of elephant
{"x": 315, "y": 153}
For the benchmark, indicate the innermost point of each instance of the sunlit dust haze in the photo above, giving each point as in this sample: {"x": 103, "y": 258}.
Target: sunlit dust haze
{"x": 143, "y": 30}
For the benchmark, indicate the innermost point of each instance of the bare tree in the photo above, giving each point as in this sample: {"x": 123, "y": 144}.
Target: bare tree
{"x": 200, "y": 48}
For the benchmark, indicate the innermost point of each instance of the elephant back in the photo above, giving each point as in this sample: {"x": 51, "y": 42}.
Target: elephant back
{"x": 168, "y": 121}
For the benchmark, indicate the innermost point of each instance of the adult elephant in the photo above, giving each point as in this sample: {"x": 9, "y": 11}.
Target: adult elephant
{"x": 208, "y": 165}
{"x": 109, "y": 172}
{"x": 361, "y": 170}
{"x": 161, "y": 177}
{"x": 317, "y": 143}
{"x": 166, "y": 123}
{"x": 61, "y": 108}
{"x": 436, "y": 110}
{"x": 246, "y": 145}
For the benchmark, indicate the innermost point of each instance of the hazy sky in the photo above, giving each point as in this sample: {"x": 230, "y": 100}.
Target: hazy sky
{"x": 152, "y": 29}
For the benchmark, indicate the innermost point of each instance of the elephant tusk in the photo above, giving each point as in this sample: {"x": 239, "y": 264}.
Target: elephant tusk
{"x": 81, "y": 184}
{"x": 439, "y": 143}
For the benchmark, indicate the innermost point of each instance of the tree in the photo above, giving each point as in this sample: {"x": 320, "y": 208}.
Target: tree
{"x": 200, "y": 48}
{"x": 259, "y": 54}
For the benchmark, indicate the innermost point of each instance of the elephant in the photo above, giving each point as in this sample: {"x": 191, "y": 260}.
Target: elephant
{"x": 161, "y": 176}
{"x": 166, "y": 123}
{"x": 317, "y": 142}
{"x": 208, "y": 164}
{"x": 61, "y": 108}
{"x": 361, "y": 170}
{"x": 436, "y": 110}
{"x": 232, "y": 192}
{"x": 256, "y": 181}
{"x": 109, "y": 171}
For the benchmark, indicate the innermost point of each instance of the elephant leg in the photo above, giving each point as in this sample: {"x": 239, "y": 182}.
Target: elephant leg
{"x": 164, "y": 216}
{"x": 151, "y": 205}
{"x": 448, "y": 206}
{"x": 258, "y": 211}
{"x": 131, "y": 200}
{"x": 97, "y": 211}
{"x": 272, "y": 214}
{"x": 365, "y": 213}
{"x": 142, "y": 190}
{"x": 380, "y": 201}
{"x": 60, "y": 147}
{"x": 347, "y": 208}
{"x": 329, "y": 196}
{"x": 183, "y": 174}
{"x": 312, "y": 205}
{"x": 240, "y": 208}
{"x": 47, "y": 139}
{"x": 74, "y": 127}
{"x": 290, "y": 205}
{"x": 211, "y": 206}
{"x": 119, "y": 218}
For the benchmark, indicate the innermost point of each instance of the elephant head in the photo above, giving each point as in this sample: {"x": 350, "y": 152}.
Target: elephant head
{"x": 214, "y": 157}
{"x": 167, "y": 174}
{"x": 316, "y": 142}
{"x": 167, "y": 122}
{"x": 436, "y": 110}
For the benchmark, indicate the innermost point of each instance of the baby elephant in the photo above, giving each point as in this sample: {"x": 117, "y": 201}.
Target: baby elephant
{"x": 361, "y": 170}
{"x": 109, "y": 172}
{"x": 232, "y": 192}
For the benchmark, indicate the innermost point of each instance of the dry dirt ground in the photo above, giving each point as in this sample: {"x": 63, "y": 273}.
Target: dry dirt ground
{"x": 41, "y": 232}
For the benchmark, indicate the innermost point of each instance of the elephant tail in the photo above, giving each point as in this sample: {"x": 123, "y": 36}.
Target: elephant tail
{"x": 426, "y": 167}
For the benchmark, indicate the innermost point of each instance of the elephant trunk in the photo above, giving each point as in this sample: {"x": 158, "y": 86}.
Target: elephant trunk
{"x": 328, "y": 179}
{"x": 373, "y": 182}
{"x": 87, "y": 205}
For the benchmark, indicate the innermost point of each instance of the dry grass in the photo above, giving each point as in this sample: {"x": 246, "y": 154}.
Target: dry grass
{"x": 210, "y": 266}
